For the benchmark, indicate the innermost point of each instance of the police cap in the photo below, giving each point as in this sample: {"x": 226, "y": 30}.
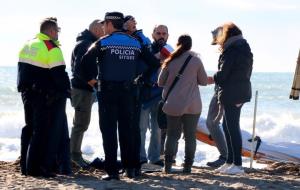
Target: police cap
{"x": 114, "y": 16}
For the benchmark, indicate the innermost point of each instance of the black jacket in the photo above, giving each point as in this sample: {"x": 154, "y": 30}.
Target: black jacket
{"x": 84, "y": 41}
{"x": 234, "y": 72}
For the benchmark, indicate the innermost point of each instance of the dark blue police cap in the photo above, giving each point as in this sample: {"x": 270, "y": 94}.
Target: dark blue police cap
{"x": 114, "y": 16}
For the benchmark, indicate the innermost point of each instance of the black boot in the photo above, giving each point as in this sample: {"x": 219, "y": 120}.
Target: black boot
{"x": 137, "y": 172}
{"x": 217, "y": 163}
{"x": 130, "y": 172}
{"x": 168, "y": 167}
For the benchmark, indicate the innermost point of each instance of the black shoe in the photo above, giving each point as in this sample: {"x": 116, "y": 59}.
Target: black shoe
{"x": 80, "y": 162}
{"x": 217, "y": 163}
{"x": 159, "y": 163}
{"x": 64, "y": 169}
{"x": 110, "y": 177}
{"x": 46, "y": 173}
{"x": 137, "y": 172}
{"x": 41, "y": 172}
{"x": 187, "y": 170}
{"x": 143, "y": 162}
{"x": 67, "y": 172}
{"x": 130, "y": 172}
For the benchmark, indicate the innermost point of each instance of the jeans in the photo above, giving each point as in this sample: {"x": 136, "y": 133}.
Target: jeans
{"x": 188, "y": 124}
{"x": 82, "y": 101}
{"x": 212, "y": 123}
{"x": 231, "y": 127}
{"x": 148, "y": 121}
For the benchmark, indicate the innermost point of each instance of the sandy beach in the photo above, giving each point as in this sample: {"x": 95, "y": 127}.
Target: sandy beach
{"x": 275, "y": 176}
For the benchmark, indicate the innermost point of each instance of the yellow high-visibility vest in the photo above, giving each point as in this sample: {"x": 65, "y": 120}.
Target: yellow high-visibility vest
{"x": 42, "y": 52}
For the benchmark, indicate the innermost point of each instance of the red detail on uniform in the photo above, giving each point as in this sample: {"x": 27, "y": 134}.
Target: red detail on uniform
{"x": 50, "y": 44}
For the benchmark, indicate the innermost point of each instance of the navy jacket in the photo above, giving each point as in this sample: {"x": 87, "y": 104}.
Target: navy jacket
{"x": 145, "y": 43}
{"x": 118, "y": 55}
{"x": 234, "y": 72}
{"x": 151, "y": 92}
{"x": 84, "y": 40}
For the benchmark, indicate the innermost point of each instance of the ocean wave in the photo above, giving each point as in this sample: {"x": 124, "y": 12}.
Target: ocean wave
{"x": 274, "y": 129}
{"x": 271, "y": 129}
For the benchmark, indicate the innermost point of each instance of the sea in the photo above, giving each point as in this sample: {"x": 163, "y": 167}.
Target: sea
{"x": 277, "y": 117}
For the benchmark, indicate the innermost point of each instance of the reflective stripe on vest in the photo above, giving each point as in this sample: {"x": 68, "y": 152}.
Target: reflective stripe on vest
{"x": 42, "y": 52}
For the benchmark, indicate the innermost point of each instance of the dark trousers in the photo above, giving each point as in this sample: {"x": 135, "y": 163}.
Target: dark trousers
{"x": 232, "y": 131}
{"x": 176, "y": 124}
{"x": 136, "y": 141}
{"x": 27, "y": 130}
{"x": 35, "y": 158}
{"x": 64, "y": 153}
{"x": 117, "y": 107}
{"x": 49, "y": 136}
{"x": 58, "y": 153}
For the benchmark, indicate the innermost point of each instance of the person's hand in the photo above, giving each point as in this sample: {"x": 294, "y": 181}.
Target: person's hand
{"x": 92, "y": 82}
{"x": 210, "y": 80}
{"x": 160, "y": 43}
{"x": 157, "y": 55}
{"x": 160, "y": 56}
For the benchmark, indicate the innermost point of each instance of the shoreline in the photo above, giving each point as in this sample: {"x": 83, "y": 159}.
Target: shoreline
{"x": 275, "y": 176}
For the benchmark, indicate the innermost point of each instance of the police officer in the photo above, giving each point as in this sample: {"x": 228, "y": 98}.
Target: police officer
{"x": 118, "y": 56}
{"x": 44, "y": 86}
{"x": 143, "y": 117}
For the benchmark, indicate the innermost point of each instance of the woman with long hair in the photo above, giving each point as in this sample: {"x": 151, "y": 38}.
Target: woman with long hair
{"x": 233, "y": 89}
{"x": 183, "y": 105}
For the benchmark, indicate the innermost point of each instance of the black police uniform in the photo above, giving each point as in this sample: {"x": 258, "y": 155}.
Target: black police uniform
{"x": 118, "y": 55}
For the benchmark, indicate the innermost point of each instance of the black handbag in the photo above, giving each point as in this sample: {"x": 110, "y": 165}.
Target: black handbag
{"x": 161, "y": 116}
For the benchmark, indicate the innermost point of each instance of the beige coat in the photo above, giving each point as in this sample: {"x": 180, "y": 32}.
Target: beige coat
{"x": 185, "y": 96}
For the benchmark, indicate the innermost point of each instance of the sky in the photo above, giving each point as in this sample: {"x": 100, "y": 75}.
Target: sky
{"x": 271, "y": 27}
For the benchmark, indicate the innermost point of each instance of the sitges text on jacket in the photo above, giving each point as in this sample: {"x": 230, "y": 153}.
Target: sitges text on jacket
{"x": 121, "y": 54}
{"x": 41, "y": 64}
{"x": 118, "y": 56}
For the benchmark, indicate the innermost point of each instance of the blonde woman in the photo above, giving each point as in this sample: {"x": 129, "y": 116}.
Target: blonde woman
{"x": 234, "y": 89}
{"x": 183, "y": 105}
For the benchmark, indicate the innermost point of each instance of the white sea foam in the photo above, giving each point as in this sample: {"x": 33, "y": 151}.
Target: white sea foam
{"x": 269, "y": 128}
{"x": 283, "y": 128}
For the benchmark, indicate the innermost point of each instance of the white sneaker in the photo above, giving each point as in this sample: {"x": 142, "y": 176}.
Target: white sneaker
{"x": 223, "y": 167}
{"x": 233, "y": 169}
